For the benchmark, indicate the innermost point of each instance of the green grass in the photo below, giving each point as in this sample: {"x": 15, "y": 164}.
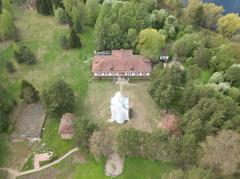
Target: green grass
{"x": 29, "y": 164}
{"x": 203, "y": 78}
{"x": 4, "y": 148}
{"x": 134, "y": 168}
{"x": 53, "y": 140}
{"x": 143, "y": 169}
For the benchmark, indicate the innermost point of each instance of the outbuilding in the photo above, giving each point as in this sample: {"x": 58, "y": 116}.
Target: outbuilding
{"x": 66, "y": 129}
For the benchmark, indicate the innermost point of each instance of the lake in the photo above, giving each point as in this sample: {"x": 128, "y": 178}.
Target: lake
{"x": 229, "y": 5}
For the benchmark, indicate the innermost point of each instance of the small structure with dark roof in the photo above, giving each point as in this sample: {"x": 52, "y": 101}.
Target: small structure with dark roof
{"x": 120, "y": 63}
{"x": 66, "y": 130}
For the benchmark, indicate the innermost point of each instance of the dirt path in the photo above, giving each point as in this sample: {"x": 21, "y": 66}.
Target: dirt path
{"x": 12, "y": 174}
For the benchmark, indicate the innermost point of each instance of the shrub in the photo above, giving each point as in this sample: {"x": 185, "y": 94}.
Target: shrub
{"x": 202, "y": 57}
{"x": 10, "y": 67}
{"x": 64, "y": 42}
{"x": 29, "y": 93}
{"x": 23, "y": 54}
{"x": 74, "y": 40}
{"x": 61, "y": 16}
{"x": 83, "y": 130}
{"x": 216, "y": 78}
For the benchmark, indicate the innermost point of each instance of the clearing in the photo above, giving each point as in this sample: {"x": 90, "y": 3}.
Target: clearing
{"x": 146, "y": 114}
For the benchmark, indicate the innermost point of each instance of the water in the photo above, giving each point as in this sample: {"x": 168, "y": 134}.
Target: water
{"x": 229, "y": 5}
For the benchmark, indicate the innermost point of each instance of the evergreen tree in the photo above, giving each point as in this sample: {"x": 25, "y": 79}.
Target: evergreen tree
{"x": 23, "y": 54}
{"x": 6, "y": 24}
{"x": 59, "y": 98}
{"x": 10, "y": 67}
{"x": 29, "y": 93}
{"x": 44, "y": 7}
{"x": 1, "y": 7}
{"x": 74, "y": 40}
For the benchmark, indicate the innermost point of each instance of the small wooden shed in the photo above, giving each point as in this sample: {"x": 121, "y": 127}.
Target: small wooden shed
{"x": 66, "y": 129}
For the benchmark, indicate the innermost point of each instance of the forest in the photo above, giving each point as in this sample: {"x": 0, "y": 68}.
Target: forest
{"x": 204, "y": 90}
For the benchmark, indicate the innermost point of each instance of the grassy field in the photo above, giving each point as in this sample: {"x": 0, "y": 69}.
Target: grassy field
{"x": 75, "y": 168}
{"x": 146, "y": 114}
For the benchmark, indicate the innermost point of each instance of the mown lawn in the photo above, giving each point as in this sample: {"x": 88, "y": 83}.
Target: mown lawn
{"x": 134, "y": 168}
{"x": 53, "y": 140}
{"x": 76, "y": 168}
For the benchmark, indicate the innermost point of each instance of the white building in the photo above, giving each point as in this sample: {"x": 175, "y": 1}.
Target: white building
{"x": 119, "y": 108}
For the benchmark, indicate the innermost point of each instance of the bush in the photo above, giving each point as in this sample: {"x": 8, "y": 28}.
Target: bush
{"x": 83, "y": 130}
{"x": 202, "y": 57}
{"x": 61, "y": 16}
{"x": 59, "y": 98}
{"x": 74, "y": 40}
{"x": 29, "y": 93}
{"x": 216, "y": 78}
{"x": 64, "y": 42}
{"x": 10, "y": 67}
{"x": 23, "y": 54}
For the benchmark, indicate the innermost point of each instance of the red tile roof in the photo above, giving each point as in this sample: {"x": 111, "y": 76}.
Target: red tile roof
{"x": 121, "y": 61}
{"x": 66, "y": 124}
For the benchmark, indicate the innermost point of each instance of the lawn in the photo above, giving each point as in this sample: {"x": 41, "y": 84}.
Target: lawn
{"x": 146, "y": 114}
{"x": 76, "y": 168}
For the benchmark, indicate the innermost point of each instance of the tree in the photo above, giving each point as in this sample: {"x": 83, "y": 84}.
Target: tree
{"x": 228, "y": 24}
{"x": 194, "y": 12}
{"x": 222, "y": 152}
{"x": 171, "y": 26}
{"x": 175, "y": 174}
{"x": 232, "y": 75}
{"x": 10, "y": 67}
{"x": 59, "y": 98}
{"x": 150, "y": 43}
{"x": 64, "y": 42}
{"x": 199, "y": 173}
{"x": 77, "y": 19}
{"x": 23, "y": 54}
{"x": 158, "y": 18}
{"x": 61, "y": 15}
{"x": 185, "y": 46}
{"x": 186, "y": 150}
{"x": 212, "y": 13}
{"x": 132, "y": 37}
{"x": 166, "y": 85}
{"x": 92, "y": 8}
{"x": 83, "y": 131}
{"x": 202, "y": 57}
{"x": 192, "y": 173}
{"x": 119, "y": 16}
{"x": 216, "y": 78}
{"x": 6, "y": 23}
{"x": 58, "y": 4}
{"x": 44, "y": 7}
{"x": 234, "y": 93}
{"x": 74, "y": 40}
{"x": 203, "y": 119}
{"x": 225, "y": 56}
{"x": 1, "y": 7}
{"x": 29, "y": 93}
{"x": 6, "y": 5}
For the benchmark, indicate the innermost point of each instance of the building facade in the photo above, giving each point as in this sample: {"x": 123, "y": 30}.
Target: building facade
{"x": 120, "y": 63}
